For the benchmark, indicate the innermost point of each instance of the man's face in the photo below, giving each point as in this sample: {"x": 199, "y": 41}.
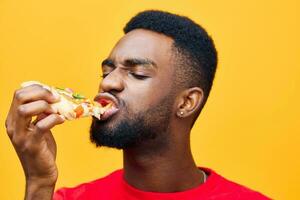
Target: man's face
{"x": 139, "y": 74}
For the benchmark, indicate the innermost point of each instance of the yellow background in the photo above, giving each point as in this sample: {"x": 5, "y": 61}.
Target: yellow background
{"x": 249, "y": 130}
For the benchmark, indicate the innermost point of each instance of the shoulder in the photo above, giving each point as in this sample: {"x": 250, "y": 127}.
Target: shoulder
{"x": 84, "y": 189}
{"x": 221, "y": 186}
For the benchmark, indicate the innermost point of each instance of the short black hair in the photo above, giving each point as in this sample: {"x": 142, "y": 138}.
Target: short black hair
{"x": 195, "y": 50}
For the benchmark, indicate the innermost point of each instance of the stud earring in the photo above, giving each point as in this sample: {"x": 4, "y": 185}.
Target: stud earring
{"x": 181, "y": 113}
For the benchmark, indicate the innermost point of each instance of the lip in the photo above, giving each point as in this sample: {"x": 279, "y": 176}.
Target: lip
{"x": 109, "y": 113}
{"x": 106, "y": 96}
{"x": 110, "y": 98}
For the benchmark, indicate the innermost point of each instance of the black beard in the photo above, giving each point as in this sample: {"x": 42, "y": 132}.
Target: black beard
{"x": 133, "y": 130}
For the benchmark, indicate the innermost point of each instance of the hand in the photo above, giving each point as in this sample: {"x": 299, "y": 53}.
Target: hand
{"x": 33, "y": 140}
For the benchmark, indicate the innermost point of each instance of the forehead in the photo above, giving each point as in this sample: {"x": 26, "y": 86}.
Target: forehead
{"x": 142, "y": 43}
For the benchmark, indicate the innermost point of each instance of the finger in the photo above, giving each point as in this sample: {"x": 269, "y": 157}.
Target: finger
{"x": 35, "y": 108}
{"x": 34, "y": 93}
{"x": 47, "y": 123}
{"x": 27, "y": 111}
{"x": 39, "y": 117}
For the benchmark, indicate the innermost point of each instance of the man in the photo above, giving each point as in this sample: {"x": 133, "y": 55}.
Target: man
{"x": 159, "y": 76}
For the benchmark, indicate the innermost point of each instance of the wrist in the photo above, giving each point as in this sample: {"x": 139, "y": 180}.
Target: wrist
{"x": 39, "y": 189}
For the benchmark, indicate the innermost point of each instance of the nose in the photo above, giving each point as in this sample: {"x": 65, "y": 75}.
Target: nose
{"x": 113, "y": 82}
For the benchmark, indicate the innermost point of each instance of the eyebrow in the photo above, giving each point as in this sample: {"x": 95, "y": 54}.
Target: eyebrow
{"x": 130, "y": 62}
{"x": 108, "y": 62}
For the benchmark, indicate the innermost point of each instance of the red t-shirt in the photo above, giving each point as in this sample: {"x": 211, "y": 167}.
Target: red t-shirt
{"x": 114, "y": 187}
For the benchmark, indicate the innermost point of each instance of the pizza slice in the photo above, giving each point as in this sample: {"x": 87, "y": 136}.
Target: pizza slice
{"x": 73, "y": 105}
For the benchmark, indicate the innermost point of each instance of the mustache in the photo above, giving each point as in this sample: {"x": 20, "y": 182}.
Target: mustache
{"x": 121, "y": 102}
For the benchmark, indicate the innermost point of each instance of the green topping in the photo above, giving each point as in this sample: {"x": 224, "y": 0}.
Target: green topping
{"x": 59, "y": 88}
{"x": 78, "y": 96}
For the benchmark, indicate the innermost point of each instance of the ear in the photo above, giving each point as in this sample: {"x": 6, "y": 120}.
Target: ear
{"x": 190, "y": 101}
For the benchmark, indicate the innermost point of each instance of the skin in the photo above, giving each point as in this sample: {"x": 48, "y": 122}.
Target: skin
{"x": 140, "y": 86}
{"x": 33, "y": 142}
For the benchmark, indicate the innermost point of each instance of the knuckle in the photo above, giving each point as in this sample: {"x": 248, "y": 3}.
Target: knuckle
{"x": 17, "y": 141}
{"x": 21, "y": 110}
{"x": 10, "y": 131}
{"x": 18, "y": 95}
{"x": 25, "y": 147}
{"x": 6, "y": 123}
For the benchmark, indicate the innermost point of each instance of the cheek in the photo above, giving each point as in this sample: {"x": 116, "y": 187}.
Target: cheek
{"x": 146, "y": 95}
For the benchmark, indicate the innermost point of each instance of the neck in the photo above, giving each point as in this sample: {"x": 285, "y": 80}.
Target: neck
{"x": 168, "y": 169}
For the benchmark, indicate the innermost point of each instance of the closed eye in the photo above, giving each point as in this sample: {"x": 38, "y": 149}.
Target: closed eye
{"x": 138, "y": 76}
